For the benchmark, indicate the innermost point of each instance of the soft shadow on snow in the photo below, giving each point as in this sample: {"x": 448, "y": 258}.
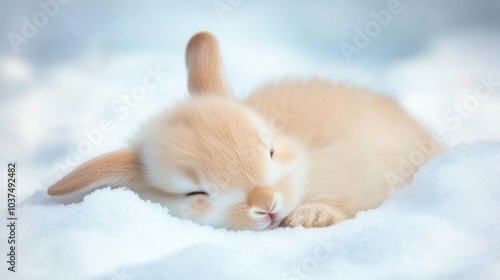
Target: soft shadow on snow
{"x": 444, "y": 225}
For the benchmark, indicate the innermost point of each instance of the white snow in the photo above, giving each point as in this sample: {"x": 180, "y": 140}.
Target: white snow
{"x": 445, "y": 225}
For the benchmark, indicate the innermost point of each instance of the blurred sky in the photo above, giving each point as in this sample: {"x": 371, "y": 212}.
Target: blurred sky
{"x": 64, "y": 80}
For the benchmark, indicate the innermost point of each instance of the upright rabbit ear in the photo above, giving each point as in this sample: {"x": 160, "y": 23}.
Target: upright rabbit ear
{"x": 115, "y": 169}
{"x": 204, "y": 66}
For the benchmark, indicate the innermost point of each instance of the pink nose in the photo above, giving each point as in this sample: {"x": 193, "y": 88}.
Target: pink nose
{"x": 274, "y": 216}
{"x": 269, "y": 209}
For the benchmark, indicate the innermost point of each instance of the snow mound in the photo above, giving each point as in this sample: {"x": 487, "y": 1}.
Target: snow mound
{"x": 445, "y": 225}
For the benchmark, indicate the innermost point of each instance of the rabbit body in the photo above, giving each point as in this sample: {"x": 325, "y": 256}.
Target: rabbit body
{"x": 295, "y": 153}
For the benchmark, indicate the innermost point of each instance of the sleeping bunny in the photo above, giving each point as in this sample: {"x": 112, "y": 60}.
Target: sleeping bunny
{"x": 306, "y": 154}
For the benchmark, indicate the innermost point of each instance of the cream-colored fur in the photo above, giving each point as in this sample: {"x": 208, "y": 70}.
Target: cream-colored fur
{"x": 295, "y": 153}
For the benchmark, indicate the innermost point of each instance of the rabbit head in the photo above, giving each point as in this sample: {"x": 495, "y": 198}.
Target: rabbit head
{"x": 210, "y": 159}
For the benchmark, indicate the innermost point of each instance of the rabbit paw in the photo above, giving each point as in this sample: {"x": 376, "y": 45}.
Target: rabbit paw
{"x": 314, "y": 215}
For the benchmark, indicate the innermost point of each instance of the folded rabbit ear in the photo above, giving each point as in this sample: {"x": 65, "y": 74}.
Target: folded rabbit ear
{"x": 115, "y": 169}
{"x": 204, "y": 66}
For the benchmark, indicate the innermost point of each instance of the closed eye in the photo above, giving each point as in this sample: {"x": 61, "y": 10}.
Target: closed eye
{"x": 196, "y": 193}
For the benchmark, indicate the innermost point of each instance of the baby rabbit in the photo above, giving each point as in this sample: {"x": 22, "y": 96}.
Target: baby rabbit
{"x": 306, "y": 154}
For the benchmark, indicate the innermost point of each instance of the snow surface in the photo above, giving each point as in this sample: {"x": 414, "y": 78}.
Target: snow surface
{"x": 445, "y": 225}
